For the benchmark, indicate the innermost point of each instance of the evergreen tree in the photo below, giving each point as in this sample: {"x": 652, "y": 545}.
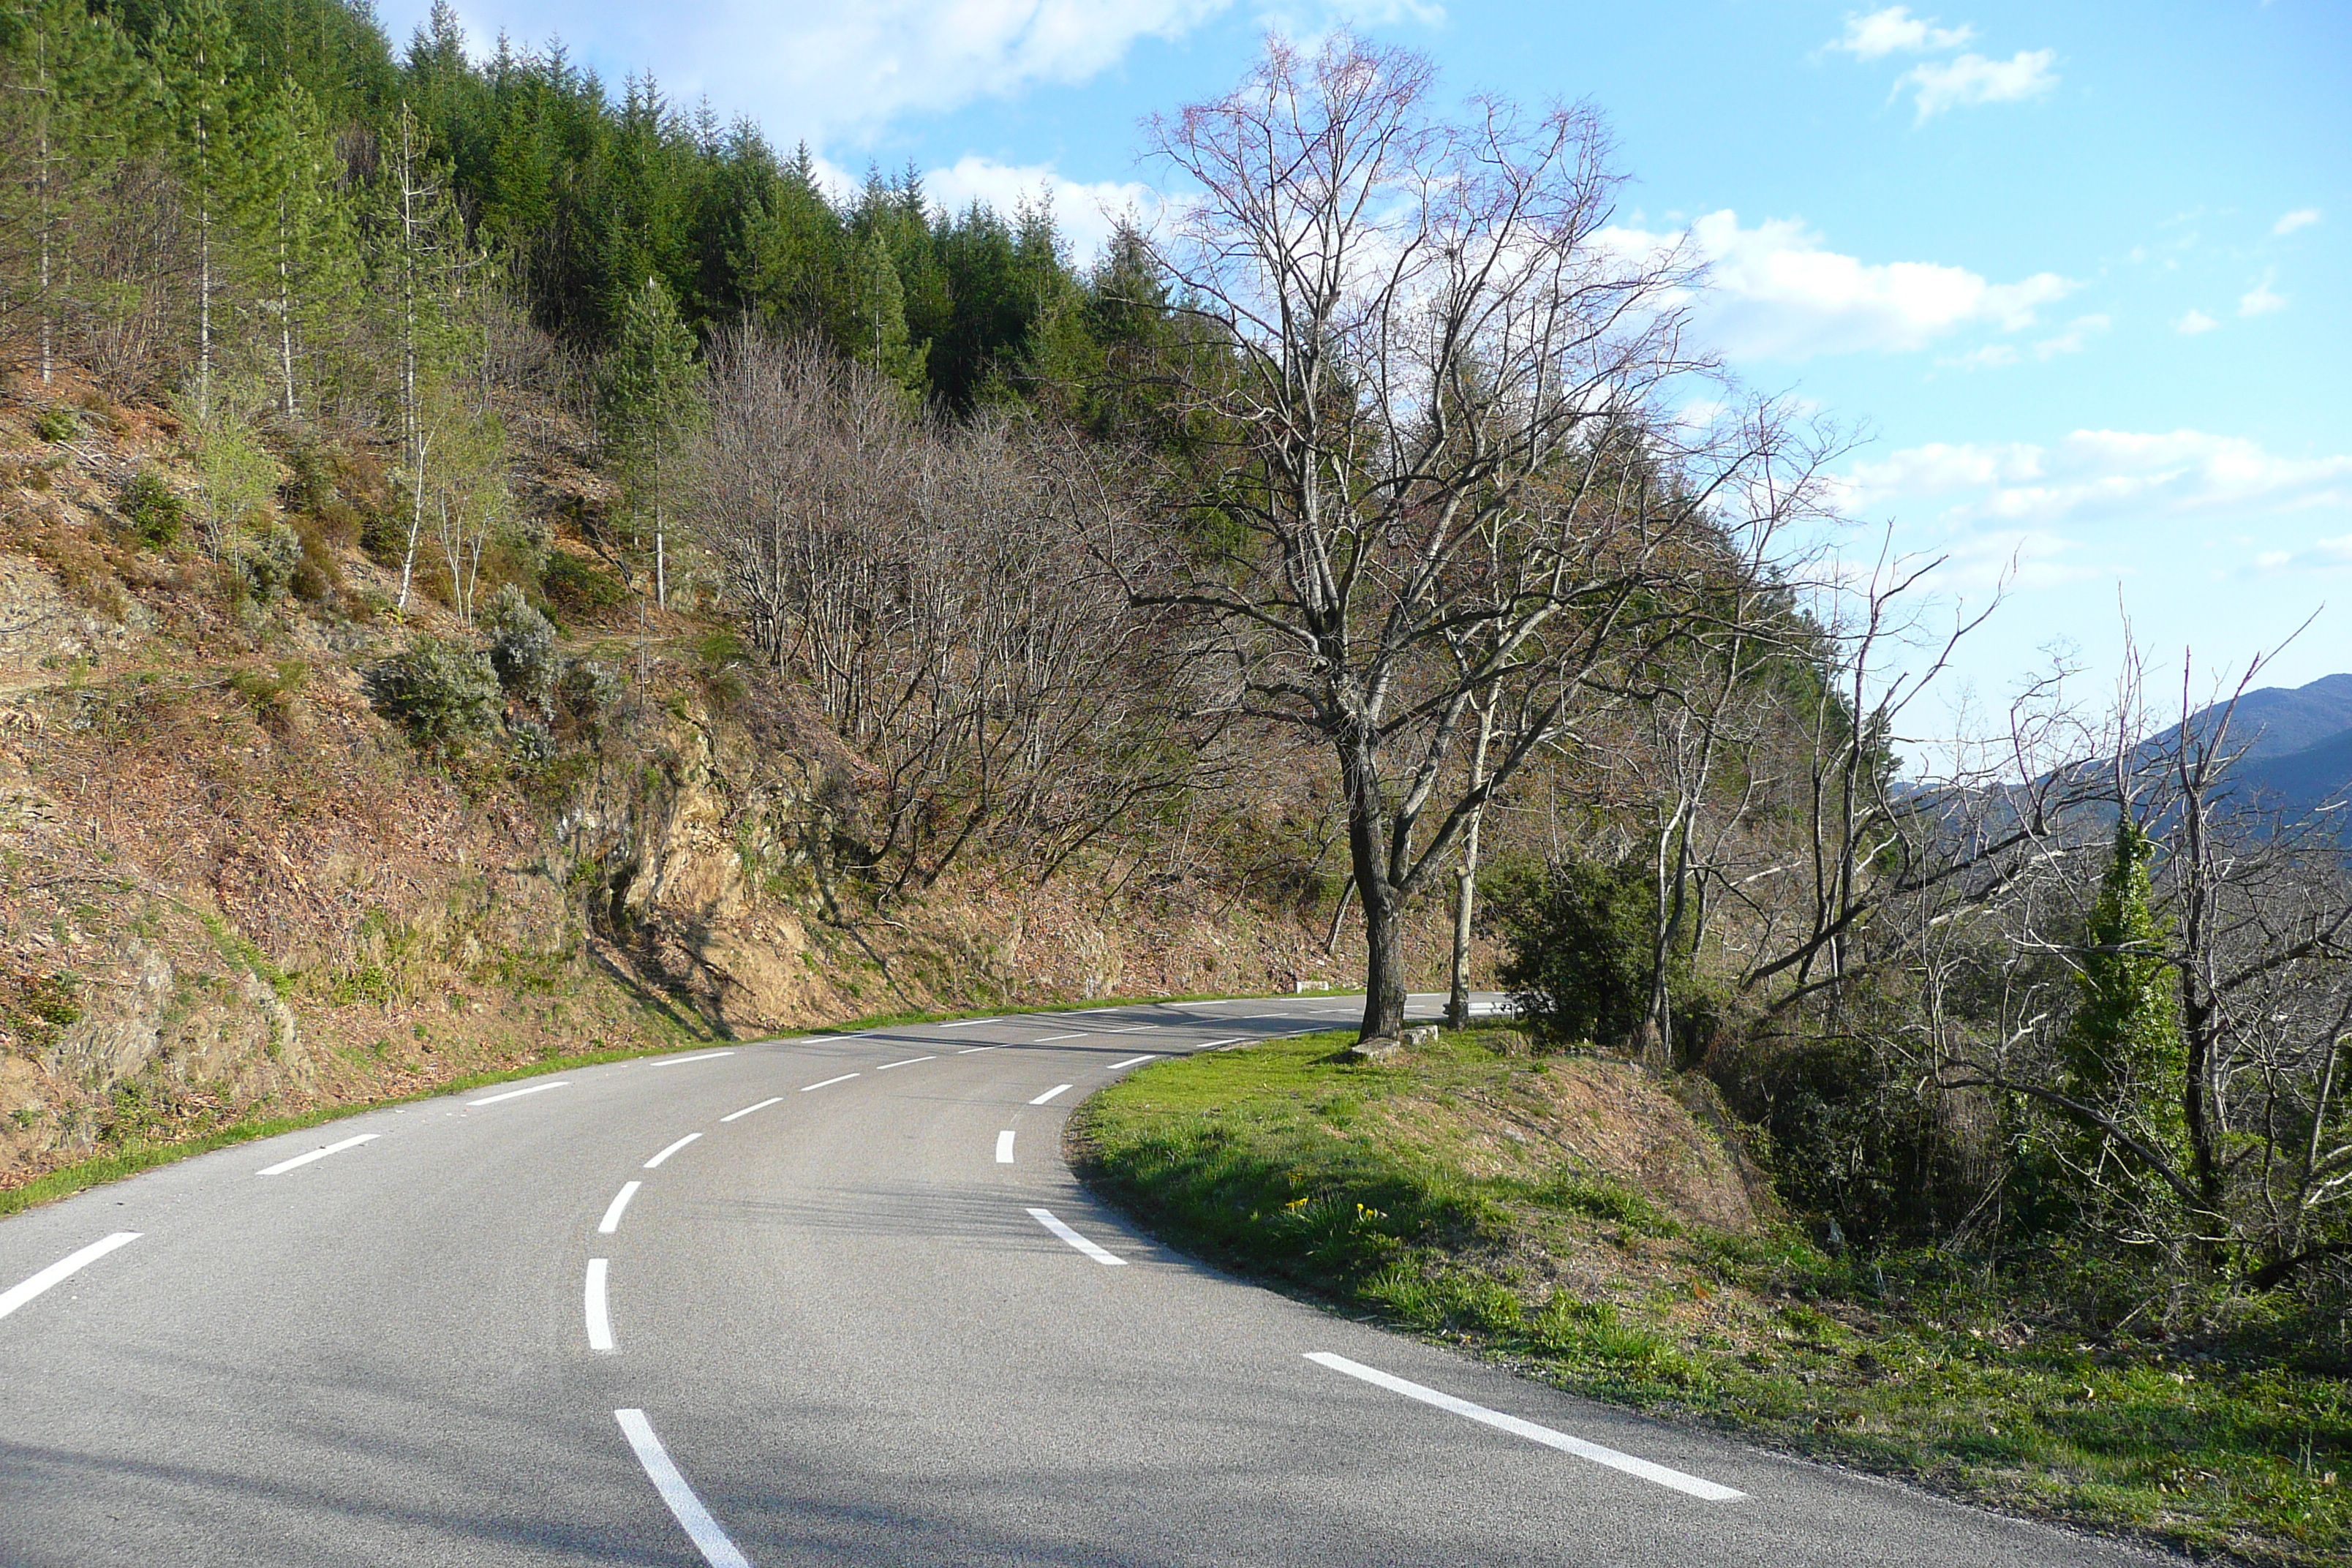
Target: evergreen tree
{"x": 207, "y": 96}
{"x": 877, "y": 325}
{"x": 72, "y": 103}
{"x": 2123, "y": 1054}
{"x": 311, "y": 252}
{"x": 646, "y": 402}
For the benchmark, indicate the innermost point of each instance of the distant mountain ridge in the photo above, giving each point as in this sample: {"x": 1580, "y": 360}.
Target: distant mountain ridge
{"x": 2297, "y": 741}
{"x": 2279, "y": 720}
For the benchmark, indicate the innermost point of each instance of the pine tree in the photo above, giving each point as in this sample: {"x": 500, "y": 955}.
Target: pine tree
{"x": 205, "y": 90}
{"x": 420, "y": 262}
{"x": 70, "y": 91}
{"x": 312, "y": 256}
{"x": 646, "y": 402}
{"x": 2123, "y": 1054}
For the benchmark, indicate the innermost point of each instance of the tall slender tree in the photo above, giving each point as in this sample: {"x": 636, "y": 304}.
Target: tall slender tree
{"x": 646, "y": 403}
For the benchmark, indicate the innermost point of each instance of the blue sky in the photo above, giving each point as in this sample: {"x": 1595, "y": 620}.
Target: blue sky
{"x": 2077, "y": 271}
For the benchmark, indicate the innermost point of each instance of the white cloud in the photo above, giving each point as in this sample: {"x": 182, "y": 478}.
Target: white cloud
{"x": 2079, "y": 331}
{"x": 1087, "y": 212}
{"x": 2259, "y": 300}
{"x": 2302, "y": 218}
{"x": 2194, "y": 323}
{"x": 824, "y": 69}
{"x": 1989, "y": 356}
{"x": 1779, "y": 293}
{"x": 1883, "y": 33}
{"x": 1973, "y": 80}
{"x": 2097, "y": 475}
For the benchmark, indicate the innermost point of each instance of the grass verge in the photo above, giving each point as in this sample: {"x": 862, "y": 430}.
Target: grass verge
{"x": 1373, "y": 1188}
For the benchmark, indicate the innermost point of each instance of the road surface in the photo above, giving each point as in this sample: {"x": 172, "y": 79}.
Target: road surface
{"x": 827, "y": 1300}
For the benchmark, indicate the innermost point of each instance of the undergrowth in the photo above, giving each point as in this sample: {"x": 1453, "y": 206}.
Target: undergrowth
{"x": 1285, "y": 1162}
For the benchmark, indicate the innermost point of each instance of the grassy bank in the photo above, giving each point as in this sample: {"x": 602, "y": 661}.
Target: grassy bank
{"x": 1452, "y": 1195}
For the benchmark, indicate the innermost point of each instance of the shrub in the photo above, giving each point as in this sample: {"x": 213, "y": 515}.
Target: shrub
{"x": 443, "y": 693}
{"x": 580, "y": 590}
{"x": 1577, "y": 939}
{"x": 318, "y": 574}
{"x": 266, "y": 562}
{"x": 589, "y": 694}
{"x": 522, "y": 645}
{"x": 55, "y": 423}
{"x": 272, "y": 693}
{"x": 152, "y": 509}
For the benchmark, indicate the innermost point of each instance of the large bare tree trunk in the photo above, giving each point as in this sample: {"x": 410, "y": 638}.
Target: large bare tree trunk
{"x": 1367, "y": 846}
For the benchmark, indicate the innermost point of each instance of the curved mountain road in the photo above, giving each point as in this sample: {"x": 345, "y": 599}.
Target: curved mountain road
{"x": 857, "y": 1311}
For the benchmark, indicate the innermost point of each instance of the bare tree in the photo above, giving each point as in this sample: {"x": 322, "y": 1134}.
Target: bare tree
{"x": 936, "y": 589}
{"x": 1440, "y": 464}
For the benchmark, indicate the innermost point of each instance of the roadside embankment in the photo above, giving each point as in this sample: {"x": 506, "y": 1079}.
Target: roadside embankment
{"x": 1573, "y": 1218}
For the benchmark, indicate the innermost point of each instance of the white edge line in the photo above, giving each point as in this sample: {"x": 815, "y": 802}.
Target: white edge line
{"x": 739, "y": 1115}
{"x": 911, "y": 1061}
{"x": 612, "y": 1220}
{"x": 518, "y": 1093}
{"x": 681, "y": 1061}
{"x": 600, "y": 1321}
{"x": 283, "y": 1166}
{"x": 1004, "y": 1148}
{"x": 1691, "y": 1486}
{"x": 684, "y": 1506}
{"x": 672, "y": 1150}
{"x": 970, "y": 1022}
{"x": 1049, "y": 1094}
{"x": 1075, "y": 1239}
{"x": 828, "y": 1083}
{"x": 1212, "y": 1045}
{"x": 1132, "y": 1061}
{"x": 63, "y": 1269}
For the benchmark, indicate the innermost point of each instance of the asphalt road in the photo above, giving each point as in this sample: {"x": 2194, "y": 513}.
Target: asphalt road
{"x": 865, "y": 1315}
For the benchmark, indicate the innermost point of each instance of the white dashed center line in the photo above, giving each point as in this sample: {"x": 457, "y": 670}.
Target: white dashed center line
{"x": 1691, "y": 1486}
{"x": 737, "y": 1115}
{"x": 1049, "y": 1094}
{"x": 828, "y": 1083}
{"x": 911, "y": 1061}
{"x": 600, "y": 1321}
{"x": 975, "y": 1050}
{"x": 1004, "y": 1148}
{"x": 1075, "y": 1239}
{"x": 1049, "y": 1039}
{"x": 62, "y": 1270}
{"x": 612, "y": 1220}
{"x": 283, "y": 1166}
{"x": 518, "y": 1093}
{"x": 672, "y": 1150}
{"x": 684, "y": 1506}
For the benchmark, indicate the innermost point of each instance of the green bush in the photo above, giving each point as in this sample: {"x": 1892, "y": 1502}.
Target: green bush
{"x": 580, "y": 590}
{"x": 55, "y": 423}
{"x": 522, "y": 646}
{"x": 1577, "y": 943}
{"x": 266, "y": 562}
{"x": 589, "y": 694}
{"x": 152, "y": 509}
{"x": 443, "y": 693}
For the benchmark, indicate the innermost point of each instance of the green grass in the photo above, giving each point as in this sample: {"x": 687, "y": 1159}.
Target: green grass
{"x": 1350, "y": 1183}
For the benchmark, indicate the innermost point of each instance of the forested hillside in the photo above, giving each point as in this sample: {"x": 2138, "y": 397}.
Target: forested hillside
{"x": 480, "y": 547}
